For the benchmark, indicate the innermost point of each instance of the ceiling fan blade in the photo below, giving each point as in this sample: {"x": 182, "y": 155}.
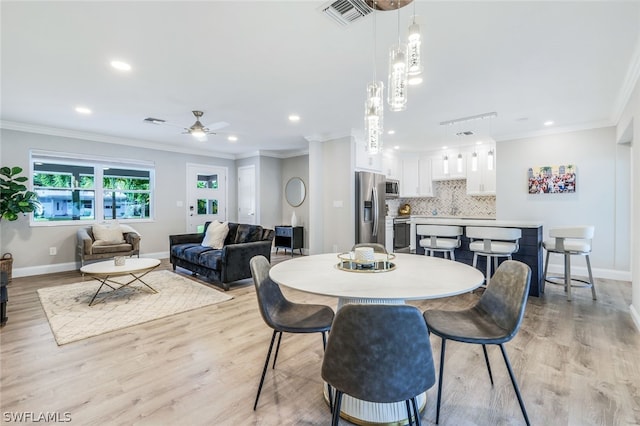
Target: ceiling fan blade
{"x": 217, "y": 126}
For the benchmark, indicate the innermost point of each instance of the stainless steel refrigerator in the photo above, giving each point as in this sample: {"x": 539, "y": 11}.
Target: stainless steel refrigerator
{"x": 370, "y": 207}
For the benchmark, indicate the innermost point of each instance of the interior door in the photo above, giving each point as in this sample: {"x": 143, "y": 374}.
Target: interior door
{"x": 247, "y": 194}
{"x": 206, "y": 195}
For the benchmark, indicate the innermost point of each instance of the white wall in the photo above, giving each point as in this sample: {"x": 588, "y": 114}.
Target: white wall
{"x": 30, "y": 245}
{"x": 331, "y": 184}
{"x": 296, "y": 167}
{"x": 598, "y": 160}
{"x": 270, "y": 188}
{"x": 628, "y": 131}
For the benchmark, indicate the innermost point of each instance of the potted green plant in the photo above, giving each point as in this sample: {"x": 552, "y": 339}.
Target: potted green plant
{"x": 16, "y": 198}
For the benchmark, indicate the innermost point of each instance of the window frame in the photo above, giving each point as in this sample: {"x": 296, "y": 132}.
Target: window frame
{"x": 98, "y": 164}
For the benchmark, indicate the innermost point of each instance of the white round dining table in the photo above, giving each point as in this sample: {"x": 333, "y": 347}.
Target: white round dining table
{"x": 415, "y": 277}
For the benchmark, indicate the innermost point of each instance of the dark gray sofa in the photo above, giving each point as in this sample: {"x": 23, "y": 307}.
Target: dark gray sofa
{"x": 231, "y": 263}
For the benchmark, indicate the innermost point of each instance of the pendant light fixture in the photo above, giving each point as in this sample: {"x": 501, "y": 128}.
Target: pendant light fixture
{"x": 459, "y": 163}
{"x": 414, "y": 53}
{"x": 397, "y": 92}
{"x": 474, "y": 161}
{"x": 374, "y": 105}
{"x": 445, "y": 164}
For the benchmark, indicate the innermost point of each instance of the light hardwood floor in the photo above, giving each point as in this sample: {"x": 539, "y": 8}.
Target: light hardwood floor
{"x": 577, "y": 363}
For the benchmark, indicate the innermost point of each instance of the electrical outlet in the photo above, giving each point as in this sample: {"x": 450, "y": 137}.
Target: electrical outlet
{"x": 53, "y": 251}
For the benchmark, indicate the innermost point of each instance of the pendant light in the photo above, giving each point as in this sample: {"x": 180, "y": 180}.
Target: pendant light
{"x": 414, "y": 67}
{"x": 374, "y": 105}
{"x": 459, "y": 163}
{"x": 474, "y": 161}
{"x": 397, "y": 93}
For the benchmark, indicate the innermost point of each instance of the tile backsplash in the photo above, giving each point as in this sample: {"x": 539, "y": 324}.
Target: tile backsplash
{"x": 450, "y": 199}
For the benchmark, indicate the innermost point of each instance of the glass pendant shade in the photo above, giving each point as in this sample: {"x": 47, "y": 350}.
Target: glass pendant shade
{"x": 459, "y": 163}
{"x": 445, "y": 165}
{"x": 413, "y": 50}
{"x": 490, "y": 160}
{"x": 397, "y": 91}
{"x": 474, "y": 162}
{"x": 373, "y": 116}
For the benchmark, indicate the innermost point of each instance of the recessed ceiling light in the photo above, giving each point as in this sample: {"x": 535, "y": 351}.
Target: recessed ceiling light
{"x": 294, "y": 117}
{"x": 548, "y": 123}
{"x": 414, "y": 81}
{"x": 444, "y": 147}
{"x": 121, "y": 66}
{"x": 479, "y": 143}
{"x": 396, "y": 147}
{"x": 391, "y": 132}
{"x": 83, "y": 110}
{"x": 232, "y": 138}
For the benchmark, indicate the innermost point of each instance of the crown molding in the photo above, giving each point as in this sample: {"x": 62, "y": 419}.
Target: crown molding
{"x": 95, "y": 137}
{"x": 631, "y": 79}
{"x": 324, "y": 137}
{"x": 555, "y": 130}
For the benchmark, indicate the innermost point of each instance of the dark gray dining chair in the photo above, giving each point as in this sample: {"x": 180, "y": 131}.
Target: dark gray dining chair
{"x": 284, "y": 316}
{"x": 379, "y": 353}
{"x": 493, "y": 320}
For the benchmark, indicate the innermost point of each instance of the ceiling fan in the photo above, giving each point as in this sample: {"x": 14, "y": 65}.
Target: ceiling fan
{"x": 197, "y": 129}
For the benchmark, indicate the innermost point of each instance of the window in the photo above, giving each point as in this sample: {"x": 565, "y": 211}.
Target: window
{"x": 92, "y": 190}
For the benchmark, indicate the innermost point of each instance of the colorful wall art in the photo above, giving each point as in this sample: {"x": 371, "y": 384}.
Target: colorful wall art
{"x": 552, "y": 179}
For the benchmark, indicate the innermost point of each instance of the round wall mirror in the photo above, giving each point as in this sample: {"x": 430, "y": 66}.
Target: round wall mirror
{"x": 295, "y": 191}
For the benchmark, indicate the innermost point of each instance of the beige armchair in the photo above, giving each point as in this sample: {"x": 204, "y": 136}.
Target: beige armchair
{"x": 91, "y": 249}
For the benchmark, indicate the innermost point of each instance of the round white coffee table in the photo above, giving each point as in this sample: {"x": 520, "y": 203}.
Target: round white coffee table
{"x": 104, "y": 271}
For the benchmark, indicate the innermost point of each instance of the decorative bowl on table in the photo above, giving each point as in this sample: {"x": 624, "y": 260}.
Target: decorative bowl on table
{"x": 353, "y": 262}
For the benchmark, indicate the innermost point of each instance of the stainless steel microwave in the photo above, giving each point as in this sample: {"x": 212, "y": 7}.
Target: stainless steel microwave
{"x": 392, "y": 188}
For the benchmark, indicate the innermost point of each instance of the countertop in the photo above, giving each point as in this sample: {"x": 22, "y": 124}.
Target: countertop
{"x": 460, "y": 221}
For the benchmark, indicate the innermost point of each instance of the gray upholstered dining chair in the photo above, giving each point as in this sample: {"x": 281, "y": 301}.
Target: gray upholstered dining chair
{"x": 284, "y": 316}
{"x": 493, "y": 320}
{"x": 377, "y": 248}
{"x": 379, "y": 353}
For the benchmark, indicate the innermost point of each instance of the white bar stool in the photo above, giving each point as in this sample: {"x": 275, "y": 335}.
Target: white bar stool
{"x": 570, "y": 241}
{"x": 442, "y": 238}
{"x": 493, "y": 243}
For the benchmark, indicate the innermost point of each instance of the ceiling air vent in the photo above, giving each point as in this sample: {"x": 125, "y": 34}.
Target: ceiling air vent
{"x": 344, "y": 12}
{"x": 465, "y": 133}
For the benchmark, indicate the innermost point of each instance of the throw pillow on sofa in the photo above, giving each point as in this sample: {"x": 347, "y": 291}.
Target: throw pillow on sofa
{"x": 107, "y": 234}
{"x": 215, "y": 235}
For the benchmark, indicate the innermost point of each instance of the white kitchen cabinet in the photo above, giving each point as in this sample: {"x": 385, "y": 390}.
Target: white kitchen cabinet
{"x": 416, "y": 177}
{"x": 364, "y": 160}
{"x": 456, "y": 166}
{"x": 388, "y": 235}
{"x": 391, "y": 167}
{"x": 481, "y": 173}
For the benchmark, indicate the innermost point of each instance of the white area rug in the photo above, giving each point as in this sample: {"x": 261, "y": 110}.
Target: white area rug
{"x": 71, "y": 318}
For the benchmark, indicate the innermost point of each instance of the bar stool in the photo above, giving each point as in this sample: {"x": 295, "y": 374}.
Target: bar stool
{"x": 493, "y": 243}
{"x": 441, "y": 238}
{"x": 570, "y": 241}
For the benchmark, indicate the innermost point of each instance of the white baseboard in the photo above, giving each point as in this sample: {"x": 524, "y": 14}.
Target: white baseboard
{"x": 63, "y": 267}
{"x": 581, "y": 271}
{"x": 635, "y": 315}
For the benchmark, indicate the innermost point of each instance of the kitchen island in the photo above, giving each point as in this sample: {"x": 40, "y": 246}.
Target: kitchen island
{"x": 530, "y": 251}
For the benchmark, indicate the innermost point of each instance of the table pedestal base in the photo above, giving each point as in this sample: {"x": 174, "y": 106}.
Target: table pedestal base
{"x": 373, "y": 413}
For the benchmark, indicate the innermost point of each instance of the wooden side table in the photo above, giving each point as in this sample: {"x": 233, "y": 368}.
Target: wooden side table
{"x": 289, "y": 237}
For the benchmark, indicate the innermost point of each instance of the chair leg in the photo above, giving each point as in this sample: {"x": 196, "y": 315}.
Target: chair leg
{"x": 277, "y": 350}
{"x": 593, "y": 283}
{"x": 264, "y": 370}
{"x": 444, "y": 341}
{"x": 567, "y": 275}
{"x": 336, "y": 412}
{"x": 488, "y": 273}
{"x": 416, "y": 411}
{"x": 452, "y": 255}
{"x": 409, "y": 416}
{"x": 486, "y": 360}
{"x": 329, "y": 388}
{"x": 515, "y": 384}
{"x": 546, "y": 268}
